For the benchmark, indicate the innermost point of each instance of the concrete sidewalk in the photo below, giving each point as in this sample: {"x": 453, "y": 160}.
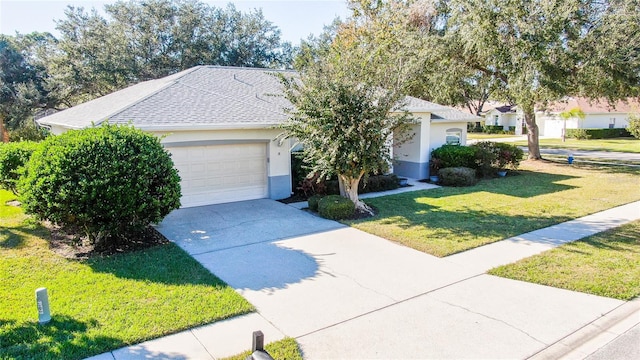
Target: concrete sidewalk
{"x": 343, "y": 293}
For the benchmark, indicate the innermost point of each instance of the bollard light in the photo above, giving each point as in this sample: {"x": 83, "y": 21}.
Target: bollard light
{"x": 42, "y": 302}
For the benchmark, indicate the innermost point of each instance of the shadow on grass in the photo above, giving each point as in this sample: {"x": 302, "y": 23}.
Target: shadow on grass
{"x": 612, "y": 169}
{"x": 524, "y": 184}
{"x": 10, "y": 239}
{"x": 521, "y": 184}
{"x": 471, "y": 223}
{"x": 463, "y": 225}
{"x": 13, "y": 237}
{"x": 62, "y": 338}
{"x": 166, "y": 264}
{"x": 626, "y": 240}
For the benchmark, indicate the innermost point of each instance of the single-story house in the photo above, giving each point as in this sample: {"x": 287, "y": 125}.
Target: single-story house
{"x": 599, "y": 114}
{"x": 506, "y": 116}
{"x": 220, "y": 125}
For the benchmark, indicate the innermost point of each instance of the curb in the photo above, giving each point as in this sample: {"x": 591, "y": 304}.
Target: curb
{"x": 595, "y": 335}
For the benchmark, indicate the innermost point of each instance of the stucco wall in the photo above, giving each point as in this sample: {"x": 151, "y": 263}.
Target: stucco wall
{"x": 553, "y": 123}
{"x": 438, "y": 133}
{"x": 411, "y": 158}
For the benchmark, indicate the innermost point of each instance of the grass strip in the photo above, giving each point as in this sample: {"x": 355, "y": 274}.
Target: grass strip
{"x": 628, "y": 145}
{"x": 605, "y": 264}
{"x": 285, "y": 349}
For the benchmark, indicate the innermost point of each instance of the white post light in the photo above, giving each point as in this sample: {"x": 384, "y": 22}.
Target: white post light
{"x": 42, "y": 302}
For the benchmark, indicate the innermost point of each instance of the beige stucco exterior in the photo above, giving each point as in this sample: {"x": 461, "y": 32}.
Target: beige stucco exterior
{"x": 552, "y": 123}
{"x": 411, "y": 158}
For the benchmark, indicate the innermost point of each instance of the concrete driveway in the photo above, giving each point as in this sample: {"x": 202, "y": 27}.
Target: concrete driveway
{"x": 343, "y": 293}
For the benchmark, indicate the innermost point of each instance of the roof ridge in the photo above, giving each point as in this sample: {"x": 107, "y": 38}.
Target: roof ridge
{"x": 246, "y": 68}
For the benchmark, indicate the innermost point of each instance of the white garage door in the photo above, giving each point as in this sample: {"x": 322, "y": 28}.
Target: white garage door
{"x": 221, "y": 173}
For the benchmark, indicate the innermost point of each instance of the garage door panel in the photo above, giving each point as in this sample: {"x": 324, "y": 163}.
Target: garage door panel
{"x": 221, "y": 173}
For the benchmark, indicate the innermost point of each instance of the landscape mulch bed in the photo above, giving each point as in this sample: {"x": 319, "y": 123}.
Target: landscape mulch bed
{"x": 71, "y": 244}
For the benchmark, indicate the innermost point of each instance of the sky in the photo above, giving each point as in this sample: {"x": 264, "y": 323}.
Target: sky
{"x": 295, "y": 18}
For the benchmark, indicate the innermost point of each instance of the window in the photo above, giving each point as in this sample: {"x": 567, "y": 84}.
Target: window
{"x": 454, "y": 136}
{"x": 612, "y": 123}
{"x": 496, "y": 119}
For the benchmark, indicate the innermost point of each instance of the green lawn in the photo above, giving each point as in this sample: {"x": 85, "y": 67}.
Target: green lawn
{"x": 606, "y": 264}
{"x": 100, "y": 304}
{"x": 285, "y": 349}
{"x": 630, "y": 145}
{"x": 445, "y": 221}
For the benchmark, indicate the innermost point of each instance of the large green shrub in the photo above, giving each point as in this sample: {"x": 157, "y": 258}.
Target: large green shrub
{"x": 336, "y": 207}
{"x": 313, "y": 202}
{"x": 579, "y": 134}
{"x": 375, "y": 183}
{"x": 458, "y": 176}
{"x": 491, "y": 156}
{"x": 597, "y": 133}
{"x": 634, "y": 125}
{"x": 493, "y": 129}
{"x": 13, "y": 157}
{"x": 453, "y": 156}
{"x": 110, "y": 182}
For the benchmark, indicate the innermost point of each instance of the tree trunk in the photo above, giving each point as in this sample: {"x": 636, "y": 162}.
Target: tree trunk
{"x": 3, "y": 135}
{"x": 343, "y": 192}
{"x": 349, "y": 189}
{"x": 533, "y": 135}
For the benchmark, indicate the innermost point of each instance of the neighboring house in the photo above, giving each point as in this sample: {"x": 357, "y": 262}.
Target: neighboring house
{"x": 599, "y": 114}
{"x": 506, "y": 116}
{"x": 220, "y": 125}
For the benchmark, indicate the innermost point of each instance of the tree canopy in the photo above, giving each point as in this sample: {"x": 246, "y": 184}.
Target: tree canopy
{"x": 528, "y": 53}
{"x": 22, "y": 86}
{"x": 347, "y": 106}
{"x": 133, "y": 41}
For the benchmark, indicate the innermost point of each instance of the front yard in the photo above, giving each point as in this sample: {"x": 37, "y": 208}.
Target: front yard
{"x": 102, "y": 303}
{"x": 445, "y": 221}
{"x": 605, "y": 264}
{"x": 629, "y": 145}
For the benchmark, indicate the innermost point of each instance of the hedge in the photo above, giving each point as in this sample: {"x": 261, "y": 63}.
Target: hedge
{"x": 598, "y": 133}
{"x": 453, "y": 156}
{"x": 457, "y": 176}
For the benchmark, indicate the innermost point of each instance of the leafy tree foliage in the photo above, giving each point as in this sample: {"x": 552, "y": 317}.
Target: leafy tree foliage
{"x": 524, "y": 52}
{"x": 576, "y": 113}
{"x": 143, "y": 40}
{"x": 634, "y": 125}
{"x": 110, "y": 182}
{"x": 347, "y": 106}
{"x": 21, "y": 87}
{"x": 133, "y": 41}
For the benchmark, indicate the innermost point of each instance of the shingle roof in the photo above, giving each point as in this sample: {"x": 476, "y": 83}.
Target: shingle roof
{"x": 205, "y": 97}
{"x": 438, "y": 112}
{"x": 595, "y": 106}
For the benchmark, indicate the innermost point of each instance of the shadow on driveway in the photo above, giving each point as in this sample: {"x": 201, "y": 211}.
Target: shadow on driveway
{"x": 205, "y": 231}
